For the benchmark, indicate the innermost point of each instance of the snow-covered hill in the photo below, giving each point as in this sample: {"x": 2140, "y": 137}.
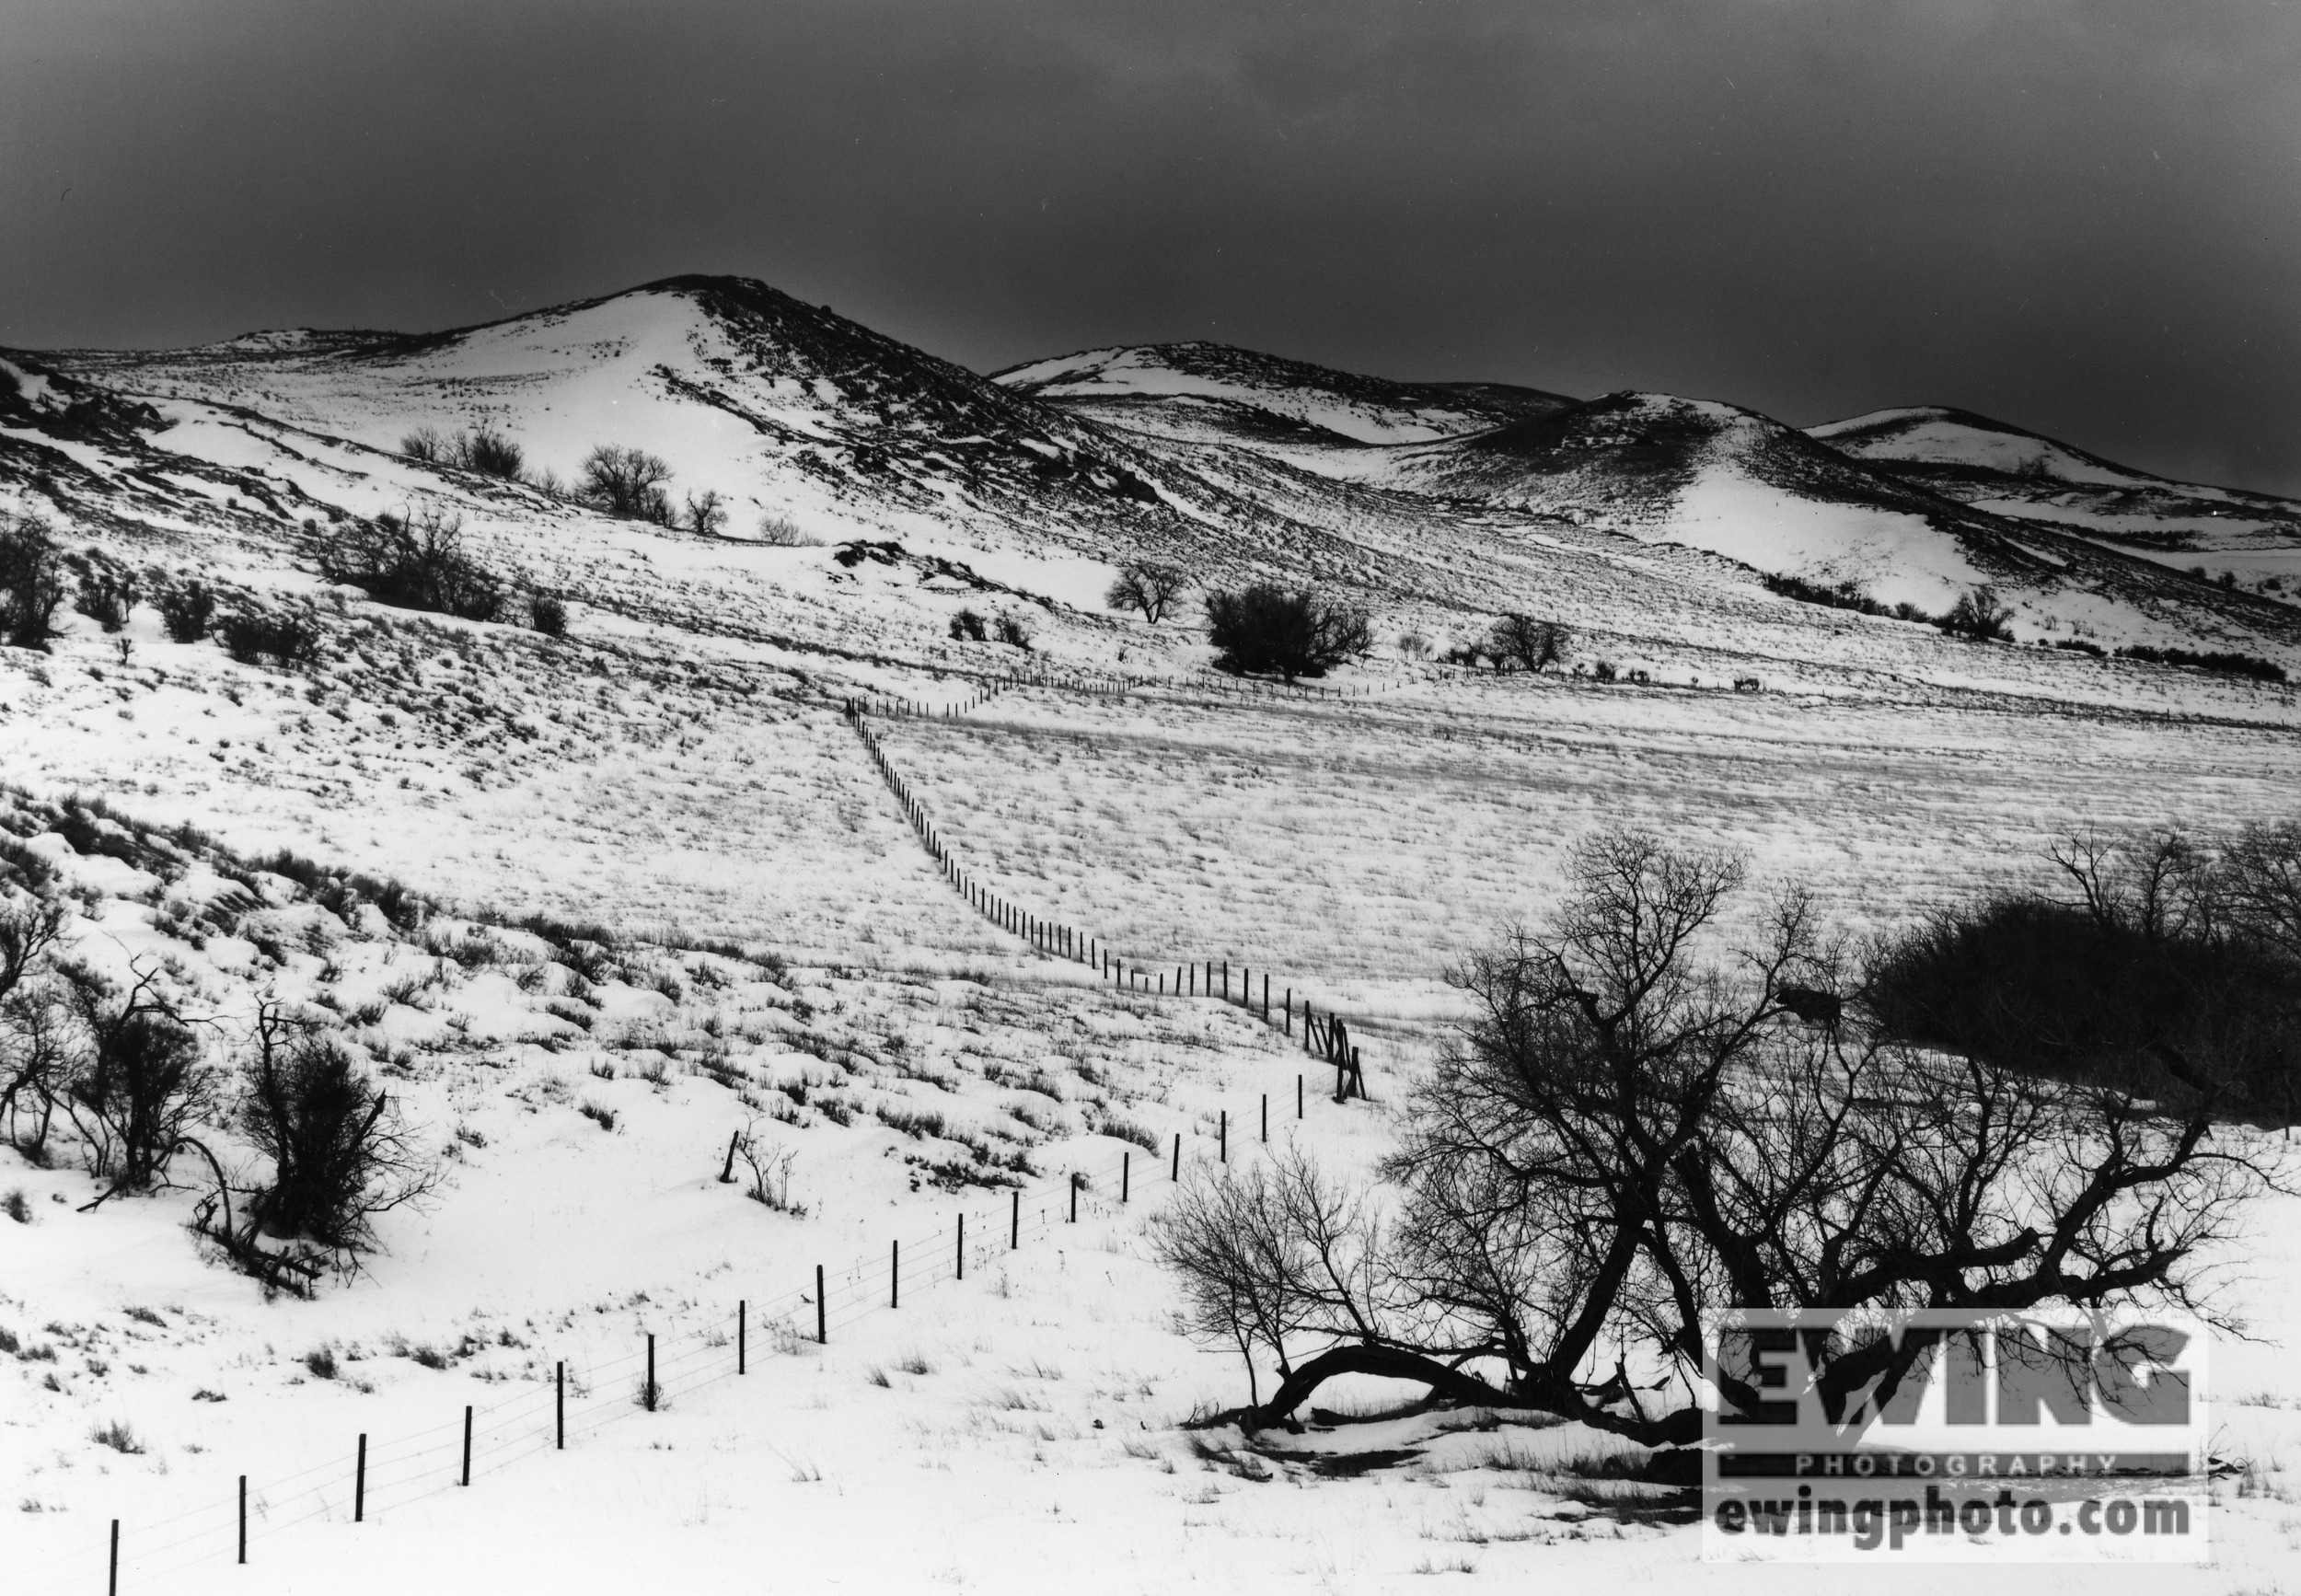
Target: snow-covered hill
{"x": 668, "y": 891}
{"x": 2255, "y": 538}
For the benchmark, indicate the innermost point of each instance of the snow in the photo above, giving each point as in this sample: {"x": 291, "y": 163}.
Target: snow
{"x": 680, "y": 769}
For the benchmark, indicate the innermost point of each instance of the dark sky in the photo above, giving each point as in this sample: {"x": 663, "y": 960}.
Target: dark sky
{"x": 2080, "y": 216}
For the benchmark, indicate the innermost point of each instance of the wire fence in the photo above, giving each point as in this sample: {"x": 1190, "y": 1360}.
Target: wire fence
{"x": 1326, "y": 1037}
{"x": 586, "y": 1397}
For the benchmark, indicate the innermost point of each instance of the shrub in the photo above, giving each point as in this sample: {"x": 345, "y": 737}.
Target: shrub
{"x": 142, "y": 1083}
{"x": 1412, "y": 645}
{"x": 321, "y": 1361}
{"x": 285, "y": 640}
{"x": 782, "y": 532}
{"x": 967, "y": 626}
{"x": 1267, "y": 627}
{"x": 1978, "y": 616}
{"x": 119, "y": 1437}
{"x": 2079, "y": 645}
{"x": 415, "y": 563}
{"x": 602, "y": 1117}
{"x": 1012, "y": 632}
{"x": 548, "y": 615}
{"x": 2239, "y": 664}
{"x": 338, "y": 1157}
{"x": 492, "y": 454}
{"x": 627, "y": 482}
{"x": 187, "y": 611}
{"x": 106, "y": 597}
{"x": 488, "y": 454}
{"x": 31, "y": 582}
{"x": 1848, "y": 594}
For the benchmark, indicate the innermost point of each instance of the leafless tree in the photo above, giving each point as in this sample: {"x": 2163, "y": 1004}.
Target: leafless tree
{"x": 1526, "y": 642}
{"x": 37, "y": 1039}
{"x": 706, "y": 512}
{"x": 1637, "y": 1125}
{"x": 1148, "y": 586}
{"x": 628, "y": 483}
{"x": 143, "y": 1082}
{"x": 32, "y": 583}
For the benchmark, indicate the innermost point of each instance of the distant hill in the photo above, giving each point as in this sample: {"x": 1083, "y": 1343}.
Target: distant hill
{"x": 1182, "y": 387}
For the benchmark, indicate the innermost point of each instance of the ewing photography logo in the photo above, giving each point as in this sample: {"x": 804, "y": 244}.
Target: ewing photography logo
{"x": 1942, "y": 1435}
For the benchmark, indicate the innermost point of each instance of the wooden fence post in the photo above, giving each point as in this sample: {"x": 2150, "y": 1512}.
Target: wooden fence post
{"x": 1125, "y": 1172}
{"x": 1014, "y": 1222}
{"x": 1266, "y": 1116}
{"x": 359, "y": 1484}
{"x": 961, "y": 1274}
{"x": 822, "y": 1320}
{"x": 112, "y": 1581}
{"x": 742, "y": 1326}
{"x": 243, "y": 1518}
{"x": 559, "y": 1388}
{"x": 1290, "y": 1011}
{"x": 1298, "y": 1097}
{"x": 1074, "y": 1197}
{"x": 653, "y": 1395}
{"x": 1222, "y": 1135}
{"x": 1178, "y": 1155}
{"x": 895, "y": 1275}
{"x": 467, "y": 1444}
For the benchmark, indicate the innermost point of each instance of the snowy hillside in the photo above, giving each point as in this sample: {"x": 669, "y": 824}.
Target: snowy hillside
{"x": 2255, "y": 538}
{"x": 1249, "y": 392}
{"x": 611, "y": 872}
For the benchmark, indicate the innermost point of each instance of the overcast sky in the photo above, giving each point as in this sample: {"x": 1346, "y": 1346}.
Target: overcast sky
{"x": 2081, "y": 217}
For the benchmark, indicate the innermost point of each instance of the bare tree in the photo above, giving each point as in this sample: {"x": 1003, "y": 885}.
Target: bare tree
{"x": 36, "y": 1038}
{"x": 1148, "y": 586}
{"x": 1636, "y": 1125}
{"x": 1526, "y": 642}
{"x": 628, "y": 483}
{"x": 31, "y": 582}
{"x": 144, "y": 1082}
{"x": 706, "y": 512}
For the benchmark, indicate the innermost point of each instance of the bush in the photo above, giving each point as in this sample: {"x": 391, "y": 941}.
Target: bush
{"x": 187, "y": 611}
{"x": 782, "y": 532}
{"x": 142, "y": 1084}
{"x": 1012, "y": 632}
{"x": 415, "y": 563}
{"x": 967, "y": 626}
{"x": 1978, "y": 616}
{"x": 2165, "y": 951}
{"x": 486, "y": 452}
{"x": 2238, "y": 664}
{"x": 1412, "y": 645}
{"x": 548, "y": 615}
{"x": 2079, "y": 645}
{"x": 31, "y": 582}
{"x": 1848, "y": 594}
{"x": 1269, "y": 629}
{"x": 627, "y": 482}
{"x": 106, "y": 597}
{"x": 492, "y": 454}
{"x": 286, "y": 641}
{"x": 338, "y": 1157}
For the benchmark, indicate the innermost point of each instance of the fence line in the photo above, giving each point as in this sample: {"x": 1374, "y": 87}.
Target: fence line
{"x": 580, "y": 1399}
{"x": 1325, "y": 1036}
{"x": 400, "y": 1470}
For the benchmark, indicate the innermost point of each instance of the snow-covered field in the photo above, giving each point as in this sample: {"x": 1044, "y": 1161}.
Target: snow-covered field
{"x": 673, "y": 899}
